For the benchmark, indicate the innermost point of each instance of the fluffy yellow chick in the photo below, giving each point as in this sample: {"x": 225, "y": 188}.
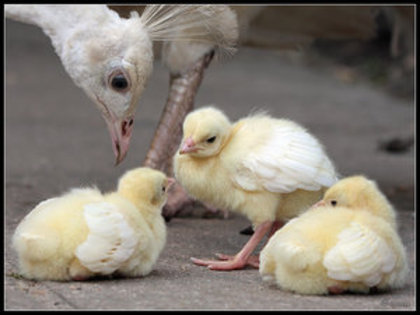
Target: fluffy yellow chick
{"x": 346, "y": 242}
{"x": 84, "y": 233}
{"x": 264, "y": 168}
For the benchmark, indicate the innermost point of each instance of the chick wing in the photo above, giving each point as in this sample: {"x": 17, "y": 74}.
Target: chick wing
{"x": 289, "y": 159}
{"x": 359, "y": 255}
{"x": 110, "y": 242}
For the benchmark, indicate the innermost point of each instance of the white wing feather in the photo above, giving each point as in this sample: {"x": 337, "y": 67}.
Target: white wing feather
{"x": 111, "y": 241}
{"x": 290, "y": 159}
{"x": 360, "y": 255}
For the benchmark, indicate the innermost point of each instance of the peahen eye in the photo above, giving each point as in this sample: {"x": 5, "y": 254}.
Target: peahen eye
{"x": 211, "y": 140}
{"x": 333, "y": 202}
{"x": 119, "y": 81}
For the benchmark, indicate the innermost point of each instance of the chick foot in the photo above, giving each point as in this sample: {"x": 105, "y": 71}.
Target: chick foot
{"x": 228, "y": 262}
{"x": 335, "y": 289}
{"x": 78, "y": 272}
{"x": 253, "y": 261}
{"x": 233, "y": 260}
{"x": 241, "y": 259}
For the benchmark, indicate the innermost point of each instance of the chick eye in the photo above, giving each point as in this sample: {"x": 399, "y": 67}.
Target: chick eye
{"x": 333, "y": 202}
{"x": 163, "y": 188}
{"x": 119, "y": 82}
{"x": 211, "y": 140}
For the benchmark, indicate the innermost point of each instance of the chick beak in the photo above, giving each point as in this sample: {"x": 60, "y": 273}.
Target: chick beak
{"x": 170, "y": 182}
{"x": 320, "y": 203}
{"x": 120, "y": 130}
{"x": 187, "y": 146}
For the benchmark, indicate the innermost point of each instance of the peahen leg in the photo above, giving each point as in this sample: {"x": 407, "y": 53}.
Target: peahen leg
{"x": 167, "y": 137}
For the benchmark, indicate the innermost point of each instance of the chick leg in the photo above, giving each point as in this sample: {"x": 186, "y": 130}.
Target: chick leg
{"x": 78, "y": 272}
{"x": 335, "y": 289}
{"x": 254, "y": 261}
{"x": 183, "y": 88}
{"x": 276, "y": 225}
{"x": 243, "y": 257}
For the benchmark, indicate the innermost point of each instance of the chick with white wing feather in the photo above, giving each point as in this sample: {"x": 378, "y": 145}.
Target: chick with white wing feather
{"x": 85, "y": 233}
{"x": 347, "y": 242}
{"x": 267, "y": 169}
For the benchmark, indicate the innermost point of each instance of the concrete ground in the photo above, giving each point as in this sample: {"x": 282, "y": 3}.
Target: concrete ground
{"x": 55, "y": 139}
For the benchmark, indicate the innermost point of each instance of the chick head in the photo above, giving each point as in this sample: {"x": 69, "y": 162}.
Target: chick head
{"x": 205, "y": 131}
{"x": 145, "y": 185}
{"x": 358, "y": 192}
{"x": 112, "y": 63}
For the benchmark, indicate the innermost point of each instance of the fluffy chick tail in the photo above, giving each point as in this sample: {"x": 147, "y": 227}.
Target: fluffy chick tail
{"x": 297, "y": 257}
{"x": 292, "y": 256}
{"x": 36, "y": 245}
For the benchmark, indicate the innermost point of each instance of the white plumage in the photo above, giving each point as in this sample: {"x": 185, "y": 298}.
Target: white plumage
{"x": 359, "y": 255}
{"x": 289, "y": 159}
{"x": 111, "y": 58}
{"x": 110, "y": 242}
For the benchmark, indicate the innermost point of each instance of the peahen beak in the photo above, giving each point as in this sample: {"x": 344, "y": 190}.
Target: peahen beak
{"x": 120, "y": 131}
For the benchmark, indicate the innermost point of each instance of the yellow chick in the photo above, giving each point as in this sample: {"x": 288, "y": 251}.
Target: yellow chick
{"x": 346, "y": 242}
{"x": 264, "y": 168}
{"x": 84, "y": 233}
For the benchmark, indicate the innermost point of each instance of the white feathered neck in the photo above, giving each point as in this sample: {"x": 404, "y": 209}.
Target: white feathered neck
{"x": 162, "y": 22}
{"x": 59, "y": 22}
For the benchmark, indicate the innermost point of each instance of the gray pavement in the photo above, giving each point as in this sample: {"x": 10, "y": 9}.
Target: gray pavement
{"x": 55, "y": 139}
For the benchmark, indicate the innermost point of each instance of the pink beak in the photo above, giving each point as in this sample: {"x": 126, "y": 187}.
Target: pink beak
{"x": 119, "y": 128}
{"x": 320, "y": 203}
{"x": 171, "y": 181}
{"x": 120, "y": 131}
{"x": 188, "y": 146}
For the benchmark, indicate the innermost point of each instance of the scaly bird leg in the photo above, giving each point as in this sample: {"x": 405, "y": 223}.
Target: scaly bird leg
{"x": 254, "y": 261}
{"x": 276, "y": 225}
{"x": 240, "y": 259}
{"x": 167, "y": 137}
